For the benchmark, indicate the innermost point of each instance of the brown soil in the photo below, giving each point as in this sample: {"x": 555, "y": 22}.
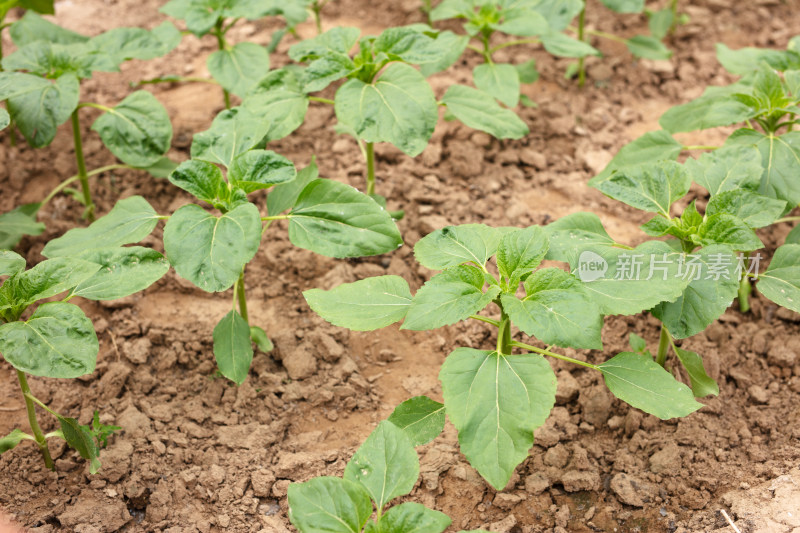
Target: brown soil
{"x": 198, "y": 454}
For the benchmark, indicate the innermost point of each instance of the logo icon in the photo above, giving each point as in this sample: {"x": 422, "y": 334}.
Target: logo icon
{"x": 591, "y": 266}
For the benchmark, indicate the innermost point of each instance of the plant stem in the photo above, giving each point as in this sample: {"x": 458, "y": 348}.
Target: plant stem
{"x": 240, "y": 294}
{"x": 319, "y": 99}
{"x": 504, "y": 335}
{"x": 82, "y": 174}
{"x": 316, "y": 8}
{"x": 67, "y": 181}
{"x": 674, "y": 7}
{"x": 37, "y": 431}
{"x": 745, "y": 288}
{"x": 605, "y": 35}
{"x": 581, "y": 36}
{"x": 554, "y": 355}
{"x": 275, "y": 217}
{"x": 700, "y": 147}
{"x": 663, "y": 346}
{"x": 486, "y": 319}
{"x": 219, "y": 31}
{"x": 510, "y": 43}
{"x": 370, "y": 152}
{"x": 787, "y": 219}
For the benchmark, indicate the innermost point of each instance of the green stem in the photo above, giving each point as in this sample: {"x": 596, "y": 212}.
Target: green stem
{"x": 370, "y": 151}
{"x": 554, "y": 355}
{"x": 240, "y": 294}
{"x": 581, "y": 37}
{"x": 495, "y": 323}
{"x": 96, "y": 106}
{"x": 219, "y": 32}
{"x": 700, "y": 147}
{"x": 37, "y": 431}
{"x": 745, "y": 289}
{"x": 674, "y": 7}
{"x": 787, "y": 219}
{"x": 609, "y": 36}
{"x": 176, "y": 79}
{"x": 504, "y": 335}
{"x": 319, "y": 99}
{"x": 663, "y": 346}
{"x": 83, "y": 176}
{"x": 276, "y": 217}
{"x": 74, "y": 178}
{"x": 510, "y": 43}
{"x": 316, "y": 8}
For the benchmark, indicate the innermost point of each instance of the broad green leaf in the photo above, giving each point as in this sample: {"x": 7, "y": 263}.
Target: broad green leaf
{"x": 567, "y": 234}
{"x": 53, "y": 60}
{"x": 625, "y": 282}
{"x": 260, "y": 169}
{"x": 364, "y": 305}
{"x": 239, "y": 68}
{"x": 259, "y": 337}
{"x": 496, "y": 402}
{"x": 651, "y": 187}
{"x": 410, "y": 44}
{"x": 326, "y": 70}
{"x": 11, "y": 263}
{"x": 625, "y": 6}
{"x": 561, "y": 45}
{"x": 753, "y": 209}
{"x": 335, "y": 220}
{"x": 10, "y": 441}
{"x": 398, "y": 108}
{"x": 714, "y": 108}
{"x": 781, "y": 282}
{"x": 57, "y": 341}
{"x": 138, "y": 130}
{"x": 556, "y": 311}
{"x": 161, "y": 168}
{"x": 37, "y": 105}
{"x": 201, "y": 179}
{"x": 523, "y": 21}
{"x": 44, "y": 7}
{"x": 641, "y": 382}
{"x": 747, "y": 60}
{"x": 211, "y": 251}
{"x": 519, "y": 252}
{"x": 123, "y": 271}
{"x": 660, "y": 22}
{"x": 499, "y": 80}
{"x": 477, "y": 110}
{"x": 278, "y": 96}
{"x": 232, "y": 348}
{"x": 285, "y": 195}
{"x": 233, "y": 132}
{"x": 447, "y": 9}
{"x": 650, "y": 147}
{"x": 338, "y": 40}
{"x": 449, "y": 297}
{"x": 129, "y": 221}
{"x": 386, "y": 464}
{"x": 410, "y": 517}
{"x": 451, "y": 46}
{"x": 31, "y": 27}
{"x": 558, "y": 13}
{"x": 727, "y": 229}
{"x": 794, "y": 236}
{"x": 713, "y": 284}
{"x": 648, "y": 47}
{"x": 81, "y": 438}
{"x": 328, "y": 505}
{"x": 5, "y": 119}
{"x": 122, "y": 44}
{"x": 17, "y": 223}
{"x": 420, "y": 417}
{"x": 638, "y": 344}
{"x": 728, "y": 168}
{"x": 780, "y": 159}
{"x": 702, "y": 384}
{"x": 46, "y": 279}
{"x": 200, "y": 16}
{"x": 527, "y": 71}
{"x": 454, "y": 245}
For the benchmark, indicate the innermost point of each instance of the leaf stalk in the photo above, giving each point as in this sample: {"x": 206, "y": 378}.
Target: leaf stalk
{"x": 34, "y": 423}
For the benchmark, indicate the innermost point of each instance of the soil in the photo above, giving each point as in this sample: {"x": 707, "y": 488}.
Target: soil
{"x": 199, "y": 454}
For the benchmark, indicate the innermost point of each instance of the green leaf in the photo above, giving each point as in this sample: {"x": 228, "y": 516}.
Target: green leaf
{"x": 80, "y": 437}
{"x": 410, "y": 44}
{"x": 702, "y": 384}
{"x": 123, "y": 271}
{"x": 386, "y": 464}
{"x": 10, "y": 441}
{"x": 648, "y": 47}
{"x": 753, "y": 209}
{"x": 335, "y": 220}
{"x": 129, "y": 221}
{"x": 499, "y": 80}
{"x": 211, "y": 251}
{"x": 44, "y": 7}
{"x": 727, "y": 229}
{"x": 279, "y": 97}
{"x": 233, "y": 132}
{"x": 259, "y": 336}
{"x": 781, "y": 282}
{"x": 285, "y": 195}
{"x": 780, "y": 159}
{"x": 650, "y": 147}
{"x": 410, "y": 517}
{"x": 660, "y": 22}
{"x": 625, "y": 6}
{"x": 561, "y": 45}
{"x": 449, "y": 297}
{"x": 325, "y": 70}
{"x": 556, "y": 311}
{"x": 747, "y": 60}
{"x": 201, "y": 179}
{"x": 523, "y": 21}
{"x": 651, "y": 187}
{"x": 338, "y": 40}
{"x": 641, "y": 382}
{"x": 5, "y": 119}
{"x": 794, "y": 236}
{"x": 447, "y": 9}
{"x": 328, "y": 505}
{"x": 17, "y": 223}
{"x": 495, "y": 402}
{"x": 527, "y": 71}
{"x": 232, "y": 348}
{"x": 716, "y": 107}
{"x": 31, "y": 28}
{"x": 728, "y": 168}
{"x": 519, "y": 252}
{"x": 364, "y": 305}
{"x": 122, "y": 44}
{"x": 630, "y": 281}
{"x": 46, "y": 279}
{"x": 138, "y": 130}
{"x": 11, "y": 263}
{"x": 398, "y": 108}
{"x": 451, "y": 46}
{"x": 260, "y": 169}
{"x": 558, "y": 13}
{"x": 37, "y": 105}
{"x": 713, "y": 284}
{"x": 638, "y": 344}
{"x": 239, "y": 69}
{"x": 420, "y": 417}
{"x": 57, "y": 341}
{"x": 454, "y": 245}
{"x": 569, "y": 233}
{"x": 479, "y": 111}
